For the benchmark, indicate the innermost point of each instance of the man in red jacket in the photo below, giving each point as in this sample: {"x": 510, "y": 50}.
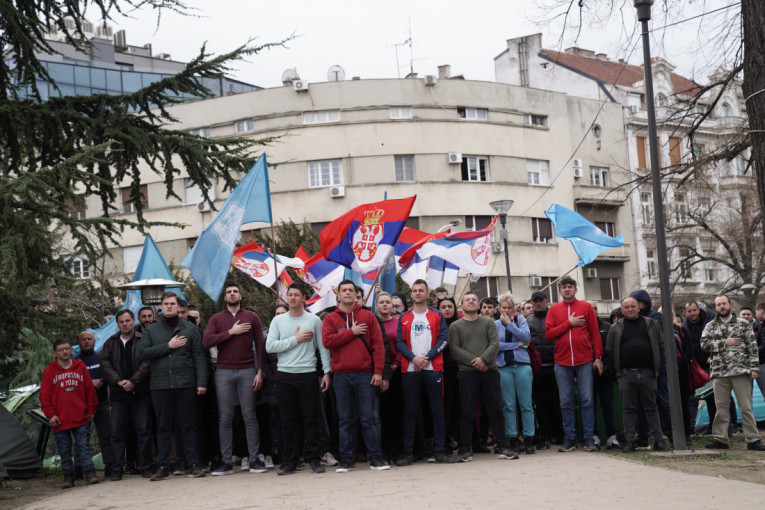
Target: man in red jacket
{"x": 354, "y": 340}
{"x": 573, "y": 326}
{"x": 68, "y": 399}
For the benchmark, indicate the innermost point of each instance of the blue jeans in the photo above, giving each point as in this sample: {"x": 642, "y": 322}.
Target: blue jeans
{"x": 231, "y": 382}
{"x": 516, "y": 383}
{"x": 81, "y": 436}
{"x": 413, "y": 383}
{"x": 564, "y": 376}
{"x": 355, "y": 393}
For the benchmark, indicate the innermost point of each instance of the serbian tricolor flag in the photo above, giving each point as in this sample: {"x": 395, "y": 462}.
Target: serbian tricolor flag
{"x": 362, "y": 238}
{"x": 322, "y": 275}
{"x": 468, "y": 250}
{"x": 285, "y": 280}
{"x": 258, "y": 263}
{"x": 434, "y": 270}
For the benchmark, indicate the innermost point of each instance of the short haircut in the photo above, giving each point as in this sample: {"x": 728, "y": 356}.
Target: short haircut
{"x": 420, "y": 281}
{"x": 566, "y": 280}
{"x": 629, "y": 297}
{"x": 723, "y": 295}
{"x": 487, "y": 301}
{"x": 745, "y": 308}
{"x": 232, "y": 285}
{"x": 346, "y": 282}
{"x": 281, "y": 305}
{"x": 170, "y": 295}
{"x": 193, "y": 307}
{"x": 358, "y": 289}
{"x": 182, "y": 303}
{"x": 469, "y": 293}
{"x": 144, "y": 308}
{"x": 507, "y": 298}
{"x": 123, "y": 312}
{"x": 760, "y": 306}
{"x": 440, "y": 289}
{"x": 381, "y": 294}
{"x": 60, "y": 341}
{"x": 296, "y": 286}
{"x": 689, "y": 303}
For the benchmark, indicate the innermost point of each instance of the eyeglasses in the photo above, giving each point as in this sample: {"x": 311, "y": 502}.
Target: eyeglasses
{"x": 63, "y": 349}
{"x": 470, "y": 299}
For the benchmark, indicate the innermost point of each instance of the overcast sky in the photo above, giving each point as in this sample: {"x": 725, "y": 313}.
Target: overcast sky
{"x": 362, "y": 36}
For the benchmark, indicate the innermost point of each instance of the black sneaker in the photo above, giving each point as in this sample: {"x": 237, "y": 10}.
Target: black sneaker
{"x": 116, "y": 476}
{"x": 317, "y": 467}
{"x": 756, "y": 446}
{"x": 343, "y": 467}
{"x": 464, "y": 456}
{"x": 91, "y": 478}
{"x": 507, "y": 453}
{"x": 443, "y": 458}
{"x": 528, "y": 445}
{"x": 514, "y": 445}
{"x": 628, "y": 447}
{"x": 378, "y": 464}
{"x": 160, "y": 474}
{"x": 287, "y": 469}
{"x": 567, "y": 445}
{"x": 405, "y": 460}
{"x": 660, "y": 446}
{"x": 258, "y": 466}
{"x": 68, "y": 481}
{"x": 715, "y": 444}
{"x": 590, "y": 445}
{"x": 223, "y": 469}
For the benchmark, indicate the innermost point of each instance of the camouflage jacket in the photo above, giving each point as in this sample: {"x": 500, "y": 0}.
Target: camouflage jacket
{"x": 728, "y": 360}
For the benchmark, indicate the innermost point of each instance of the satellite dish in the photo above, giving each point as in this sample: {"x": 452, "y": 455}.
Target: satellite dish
{"x": 290, "y": 75}
{"x": 336, "y": 73}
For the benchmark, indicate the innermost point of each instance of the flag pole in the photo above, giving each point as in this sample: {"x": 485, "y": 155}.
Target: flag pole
{"x": 558, "y": 278}
{"x": 374, "y": 284}
{"x": 276, "y": 268}
{"x": 464, "y": 288}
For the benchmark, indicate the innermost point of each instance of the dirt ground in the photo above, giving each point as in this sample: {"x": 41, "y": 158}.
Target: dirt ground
{"x": 17, "y": 493}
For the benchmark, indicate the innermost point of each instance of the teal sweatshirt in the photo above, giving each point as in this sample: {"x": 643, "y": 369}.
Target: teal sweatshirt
{"x": 295, "y": 358}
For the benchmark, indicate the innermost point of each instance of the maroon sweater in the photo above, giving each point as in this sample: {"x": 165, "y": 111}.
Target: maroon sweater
{"x": 235, "y": 352}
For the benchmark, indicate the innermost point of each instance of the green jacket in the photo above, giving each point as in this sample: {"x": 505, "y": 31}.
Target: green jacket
{"x": 729, "y": 360}
{"x": 183, "y": 367}
{"x": 614, "y": 343}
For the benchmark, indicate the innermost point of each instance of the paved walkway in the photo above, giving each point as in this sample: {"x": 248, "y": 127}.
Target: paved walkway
{"x": 547, "y": 479}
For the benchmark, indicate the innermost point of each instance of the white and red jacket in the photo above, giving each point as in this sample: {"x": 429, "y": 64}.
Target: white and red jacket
{"x": 68, "y": 393}
{"x": 573, "y": 346}
{"x": 438, "y": 332}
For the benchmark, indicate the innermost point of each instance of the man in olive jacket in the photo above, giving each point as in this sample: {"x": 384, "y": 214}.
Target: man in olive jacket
{"x": 128, "y": 380}
{"x": 178, "y": 374}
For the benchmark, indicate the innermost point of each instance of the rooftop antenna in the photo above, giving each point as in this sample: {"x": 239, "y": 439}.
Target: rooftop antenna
{"x": 409, "y": 42}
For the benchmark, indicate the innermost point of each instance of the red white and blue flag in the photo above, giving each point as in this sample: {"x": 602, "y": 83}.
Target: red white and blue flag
{"x": 434, "y": 270}
{"x": 468, "y": 250}
{"x": 362, "y": 238}
{"x": 258, "y": 263}
{"x": 322, "y": 275}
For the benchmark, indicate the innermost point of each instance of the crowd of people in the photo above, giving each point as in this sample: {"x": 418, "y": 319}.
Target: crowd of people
{"x": 424, "y": 378}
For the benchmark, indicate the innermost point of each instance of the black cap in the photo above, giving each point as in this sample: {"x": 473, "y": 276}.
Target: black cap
{"x": 538, "y": 294}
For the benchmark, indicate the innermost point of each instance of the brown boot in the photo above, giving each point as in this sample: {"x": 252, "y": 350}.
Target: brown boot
{"x": 196, "y": 471}
{"x": 160, "y": 474}
{"x": 91, "y": 478}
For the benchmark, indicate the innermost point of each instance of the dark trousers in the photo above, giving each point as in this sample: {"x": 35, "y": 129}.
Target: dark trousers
{"x": 633, "y": 384}
{"x": 298, "y": 399}
{"x": 604, "y": 393}
{"x": 451, "y": 402}
{"x": 135, "y": 410}
{"x": 547, "y": 401}
{"x": 176, "y": 409}
{"x": 102, "y": 420}
{"x": 392, "y": 416}
{"x": 486, "y": 385}
{"x": 413, "y": 383}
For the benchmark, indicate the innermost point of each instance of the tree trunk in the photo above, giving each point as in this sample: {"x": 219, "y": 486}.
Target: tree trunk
{"x": 753, "y": 17}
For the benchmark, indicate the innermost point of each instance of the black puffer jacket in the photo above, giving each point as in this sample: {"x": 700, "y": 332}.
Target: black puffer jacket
{"x": 111, "y": 366}
{"x": 546, "y": 348}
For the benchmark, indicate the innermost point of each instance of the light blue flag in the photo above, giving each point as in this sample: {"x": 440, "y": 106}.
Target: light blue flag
{"x": 587, "y": 239}
{"x": 210, "y": 258}
{"x": 151, "y": 265}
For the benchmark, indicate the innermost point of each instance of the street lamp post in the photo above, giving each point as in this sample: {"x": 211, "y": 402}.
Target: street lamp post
{"x": 451, "y": 224}
{"x": 673, "y": 381}
{"x": 749, "y": 291}
{"x": 502, "y": 206}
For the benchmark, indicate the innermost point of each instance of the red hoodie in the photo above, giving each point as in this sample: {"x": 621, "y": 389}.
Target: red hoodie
{"x": 573, "y": 346}
{"x": 68, "y": 393}
{"x": 348, "y": 352}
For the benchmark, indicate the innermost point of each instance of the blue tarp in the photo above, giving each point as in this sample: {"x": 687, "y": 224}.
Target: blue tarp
{"x": 758, "y": 406}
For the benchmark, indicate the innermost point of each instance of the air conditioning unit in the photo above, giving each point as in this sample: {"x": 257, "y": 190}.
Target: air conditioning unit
{"x": 300, "y": 85}
{"x": 104, "y": 31}
{"x": 497, "y": 247}
{"x": 634, "y": 108}
{"x": 337, "y": 191}
{"x": 430, "y": 80}
{"x": 455, "y": 158}
{"x": 592, "y": 272}
{"x": 203, "y": 206}
{"x": 577, "y": 163}
{"x": 535, "y": 281}
{"x": 578, "y": 173}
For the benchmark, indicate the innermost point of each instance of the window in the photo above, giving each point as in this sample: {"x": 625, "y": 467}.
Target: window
{"x": 193, "y": 194}
{"x": 75, "y": 211}
{"x": 645, "y": 205}
{"x": 700, "y": 108}
{"x": 641, "y": 151}
{"x": 325, "y": 173}
{"x": 699, "y": 149}
{"x": 674, "y": 151}
{"x": 534, "y": 120}
{"x": 404, "y": 168}
{"x": 650, "y": 257}
{"x": 472, "y": 113}
{"x": 400, "y": 112}
{"x": 704, "y": 206}
{"x": 709, "y": 266}
{"x": 541, "y": 230}
{"x": 681, "y": 208}
{"x": 321, "y": 117}
{"x": 131, "y": 255}
{"x": 475, "y": 168}
{"x": 599, "y": 176}
{"x": 127, "y": 204}
{"x": 477, "y": 222}
{"x": 537, "y": 172}
{"x": 552, "y": 291}
{"x": 203, "y": 132}
{"x": 609, "y": 289}
{"x": 725, "y": 110}
{"x": 79, "y": 267}
{"x": 607, "y": 227}
{"x": 735, "y": 167}
{"x": 661, "y": 100}
{"x": 686, "y": 269}
{"x": 245, "y": 126}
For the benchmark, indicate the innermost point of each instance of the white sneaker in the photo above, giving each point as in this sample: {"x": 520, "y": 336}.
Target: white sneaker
{"x": 612, "y": 442}
{"x": 328, "y": 459}
{"x": 245, "y": 463}
{"x": 596, "y": 438}
{"x": 269, "y": 462}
